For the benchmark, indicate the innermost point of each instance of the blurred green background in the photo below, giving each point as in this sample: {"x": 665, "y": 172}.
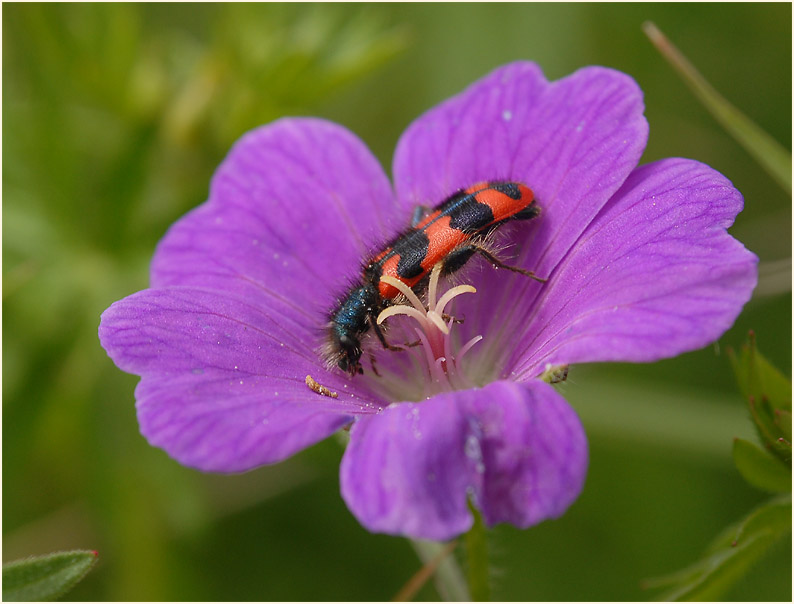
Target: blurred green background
{"x": 115, "y": 117}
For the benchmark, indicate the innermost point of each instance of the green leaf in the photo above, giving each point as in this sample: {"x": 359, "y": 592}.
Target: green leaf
{"x": 768, "y": 394}
{"x": 45, "y": 577}
{"x": 770, "y": 154}
{"x": 783, "y": 421}
{"x": 731, "y": 555}
{"x": 758, "y": 378}
{"x": 761, "y": 469}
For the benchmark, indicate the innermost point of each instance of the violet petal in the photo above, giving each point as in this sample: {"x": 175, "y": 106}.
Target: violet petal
{"x": 573, "y": 141}
{"x": 292, "y": 211}
{"x": 519, "y": 450}
{"x": 655, "y": 274}
{"x": 223, "y": 381}
{"x": 405, "y": 471}
{"x": 534, "y": 452}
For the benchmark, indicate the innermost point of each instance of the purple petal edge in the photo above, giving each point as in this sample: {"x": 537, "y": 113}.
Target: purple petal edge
{"x": 292, "y": 210}
{"x": 654, "y": 275}
{"x": 223, "y": 382}
{"x": 573, "y": 141}
{"x": 518, "y": 449}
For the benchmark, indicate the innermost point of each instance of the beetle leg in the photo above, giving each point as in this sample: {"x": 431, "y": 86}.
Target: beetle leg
{"x": 376, "y": 328}
{"x": 458, "y": 257}
{"x": 499, "y": 264}
{"x": 532, "y": 211}
{"x": 372, "y": 363}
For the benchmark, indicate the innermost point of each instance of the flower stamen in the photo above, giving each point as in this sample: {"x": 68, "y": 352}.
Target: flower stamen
{"x": 401, "y": 309}
{"x": 438, "y": 321}
{"x": 434, "y": 331}
{"x": 405, "y": 291}
{"x": 455, "y": 291}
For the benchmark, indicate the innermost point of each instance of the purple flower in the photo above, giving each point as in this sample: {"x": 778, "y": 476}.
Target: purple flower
{"x": 638, "y": 263}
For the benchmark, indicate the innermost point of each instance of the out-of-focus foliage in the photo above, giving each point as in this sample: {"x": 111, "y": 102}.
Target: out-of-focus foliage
{"x": 735, "y": 552}
{"x": 769, "y": 153}
{"x": 47, "y": 577}
{"x": 730, "y": 557}
{"x": 116, "y": 115}
{"x": 768, "y": 395}
{"x": 761, "y": 469}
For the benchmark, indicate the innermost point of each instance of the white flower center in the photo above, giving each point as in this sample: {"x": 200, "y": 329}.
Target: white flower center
{"x": 438, "y": 352}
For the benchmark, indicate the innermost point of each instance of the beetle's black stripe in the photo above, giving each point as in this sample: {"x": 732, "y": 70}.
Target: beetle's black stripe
{"x": 471, "y": 217}
{"x": 412, "y": 250}
{"x": 465, "y": 212}
{"x": 507, "y": 188}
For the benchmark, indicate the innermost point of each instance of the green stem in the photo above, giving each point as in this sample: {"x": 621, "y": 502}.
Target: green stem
{"x": 772, "y": 156}
{"x": 477, "y": 557}
{"x": 448, "y": 576}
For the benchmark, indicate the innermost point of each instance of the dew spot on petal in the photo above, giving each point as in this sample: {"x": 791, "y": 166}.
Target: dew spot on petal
{"x": 472, "y": 448}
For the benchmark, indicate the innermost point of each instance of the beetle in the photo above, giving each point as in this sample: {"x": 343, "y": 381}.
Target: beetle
{"x": 450, "y": 234}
